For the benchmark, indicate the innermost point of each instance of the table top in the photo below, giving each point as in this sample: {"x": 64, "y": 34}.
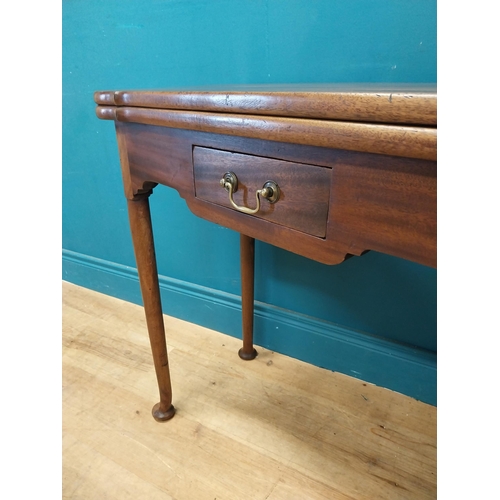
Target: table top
{"x": 412, "y": 104}
{"x": 397, "y": 120}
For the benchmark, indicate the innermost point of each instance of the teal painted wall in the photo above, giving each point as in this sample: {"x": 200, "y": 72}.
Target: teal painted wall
{"x": 373, "y": 300}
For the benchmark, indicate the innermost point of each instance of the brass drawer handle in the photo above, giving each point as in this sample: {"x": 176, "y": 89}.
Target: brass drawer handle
{"x": 270, "y": 191}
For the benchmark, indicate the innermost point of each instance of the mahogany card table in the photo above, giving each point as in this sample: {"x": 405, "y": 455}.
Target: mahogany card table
{"x": 327, "y": 172}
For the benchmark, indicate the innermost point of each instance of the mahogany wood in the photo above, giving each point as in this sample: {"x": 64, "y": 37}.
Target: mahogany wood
{"x": 396, "y": 140}
{"x": 304, "y": 189}
{"x": 142, "y": 236}
{"x": 247, "y": 262}
{"x": 357, "y": 168}
{"x": 377, "y": 202}
{"x": 380, "y": 103}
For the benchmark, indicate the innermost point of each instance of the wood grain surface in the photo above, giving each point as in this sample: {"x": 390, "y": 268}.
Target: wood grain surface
{"x": 271, "y": 429}
{"x": 304, "y": 189}
{"x": 377, "y": 202}
{"x": 396, "y": 140}
{"x": 142, "y": 237}
{"x": 380, "y": 103}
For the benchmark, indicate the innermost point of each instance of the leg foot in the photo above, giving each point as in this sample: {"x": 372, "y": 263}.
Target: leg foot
{"x": 162, "y": 416}
{"x": 247, "y": 355}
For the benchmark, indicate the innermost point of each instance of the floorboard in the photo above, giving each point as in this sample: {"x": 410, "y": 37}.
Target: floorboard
{"x": 274, "y": 428}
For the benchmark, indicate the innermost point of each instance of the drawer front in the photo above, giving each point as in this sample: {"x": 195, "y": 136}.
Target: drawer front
{"x": 304, "y": 190}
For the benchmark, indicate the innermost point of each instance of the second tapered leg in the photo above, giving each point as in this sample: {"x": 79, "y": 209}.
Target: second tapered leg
{"x": 247, "y": 259}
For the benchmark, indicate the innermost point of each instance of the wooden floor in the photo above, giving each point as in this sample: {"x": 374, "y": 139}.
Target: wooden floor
{"x": 273, "y": 428}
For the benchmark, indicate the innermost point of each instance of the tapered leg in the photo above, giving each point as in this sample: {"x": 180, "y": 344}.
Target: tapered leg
{"x": 142, "y": 236}
{"x": 247, "y": 259}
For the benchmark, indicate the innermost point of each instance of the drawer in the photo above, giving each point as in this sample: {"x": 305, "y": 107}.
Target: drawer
{"x": 304, "y": 190}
